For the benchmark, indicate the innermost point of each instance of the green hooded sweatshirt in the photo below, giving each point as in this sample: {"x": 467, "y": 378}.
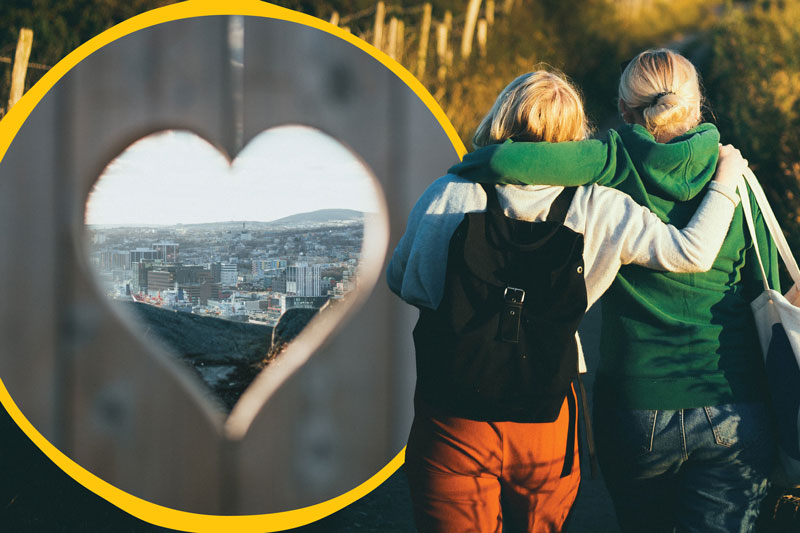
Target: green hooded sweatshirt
{"x": 669, "y": 341}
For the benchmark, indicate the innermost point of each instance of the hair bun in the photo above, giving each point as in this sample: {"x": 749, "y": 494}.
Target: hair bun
{"x": 664, "y": 86}
{"x": 667, "y": 108}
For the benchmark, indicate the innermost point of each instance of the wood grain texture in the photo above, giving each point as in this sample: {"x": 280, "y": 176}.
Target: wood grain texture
{"x": 124, "y": 409}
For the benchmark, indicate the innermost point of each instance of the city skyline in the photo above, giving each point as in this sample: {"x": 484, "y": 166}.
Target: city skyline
{"x": 217, "y": 272}
{"x": 176, "y": 177}
{"x": 257, "y": 224}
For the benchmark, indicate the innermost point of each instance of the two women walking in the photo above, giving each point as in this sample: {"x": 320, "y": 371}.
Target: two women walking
{"x": 683, "y": 431}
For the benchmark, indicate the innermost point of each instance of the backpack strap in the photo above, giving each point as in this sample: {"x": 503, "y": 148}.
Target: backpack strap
{"x": 560, "y": 206}
{"x": 499, "y": 231}
{"x": 587, "y": 425}
{"x": 569, "y": 456}
{"x": 558, "y": 209}
{"x": 492, "y": 202}
{"x": 572, "y": 435}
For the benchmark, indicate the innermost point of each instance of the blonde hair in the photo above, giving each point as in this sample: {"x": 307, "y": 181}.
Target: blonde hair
{"x": 665, "y": 88}
{"x": 538, "y": 106}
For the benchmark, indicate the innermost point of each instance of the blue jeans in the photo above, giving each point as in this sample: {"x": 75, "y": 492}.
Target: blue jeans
{"x": 692, "y": 470}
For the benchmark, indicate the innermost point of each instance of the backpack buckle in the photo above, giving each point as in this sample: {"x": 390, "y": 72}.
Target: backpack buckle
{"x": 512, "y": 314}
{"x": 514, "y": 295}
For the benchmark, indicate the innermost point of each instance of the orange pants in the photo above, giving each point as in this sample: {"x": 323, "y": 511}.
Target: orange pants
{"x": 467, "y": 475}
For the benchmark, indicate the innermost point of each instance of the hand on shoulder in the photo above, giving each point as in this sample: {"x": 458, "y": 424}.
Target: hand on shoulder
{"x": 730, "y": 167}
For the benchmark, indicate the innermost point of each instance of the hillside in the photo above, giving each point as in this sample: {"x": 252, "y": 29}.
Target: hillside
{"x": 320, "y": 216}
{"x": 225, "y": 355}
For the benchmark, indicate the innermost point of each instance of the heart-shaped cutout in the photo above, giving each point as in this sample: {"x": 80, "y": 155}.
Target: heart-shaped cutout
{"x": 224, "y": 263}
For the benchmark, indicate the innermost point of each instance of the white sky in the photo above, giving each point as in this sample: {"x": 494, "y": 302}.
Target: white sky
{"x": 177, "y": 177}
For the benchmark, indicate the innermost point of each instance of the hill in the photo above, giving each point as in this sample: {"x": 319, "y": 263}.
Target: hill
{"x": 320, "y": 216}
{"x": 225, "y": 355}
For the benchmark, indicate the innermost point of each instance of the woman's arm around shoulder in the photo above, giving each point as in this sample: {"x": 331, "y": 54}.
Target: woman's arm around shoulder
{"x": 569, "y": 164}
{"x": 617, "y": 223}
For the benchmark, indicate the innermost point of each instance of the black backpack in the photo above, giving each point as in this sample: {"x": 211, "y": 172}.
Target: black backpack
{"x": 501, "y": 345}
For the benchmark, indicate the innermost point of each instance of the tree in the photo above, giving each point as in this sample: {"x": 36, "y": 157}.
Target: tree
{"x": 754, "y": 84}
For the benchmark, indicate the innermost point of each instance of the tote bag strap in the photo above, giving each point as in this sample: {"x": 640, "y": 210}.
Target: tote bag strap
{"x": 774, "y": 228}
{"x": 748, "y": 216}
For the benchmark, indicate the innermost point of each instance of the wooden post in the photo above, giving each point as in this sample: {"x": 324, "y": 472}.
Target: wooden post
{"x": 347, "y": 29}
{"x": 508, "y": 5}
{"x": 483, "y": 25}
{"x": 20, "y": 66}
{"x": 377, "y": 34}
{"x": 441, "y": 51}
{"x": 424, "y": 36}
{"x": 391, "y": 44}
{"x": 441, "y": 42}
{"x": 401, "y": 43}
{"x": 335, "y": 18}
{"x": 469, "y": 27}
{"x": 448, "y": 20}
{"x": 489, "y": 12}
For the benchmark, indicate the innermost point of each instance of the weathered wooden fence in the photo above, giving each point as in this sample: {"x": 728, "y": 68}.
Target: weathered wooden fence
{"x": 407, "y": 35}
{"x": 410, "y": 35}
{"x": 309, "y": 429}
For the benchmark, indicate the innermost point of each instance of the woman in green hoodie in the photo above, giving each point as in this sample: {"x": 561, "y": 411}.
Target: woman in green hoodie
{"x": 683, "y": 431}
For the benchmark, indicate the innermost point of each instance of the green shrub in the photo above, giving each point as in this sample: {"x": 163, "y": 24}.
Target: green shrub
{"x": 754, "y": 85}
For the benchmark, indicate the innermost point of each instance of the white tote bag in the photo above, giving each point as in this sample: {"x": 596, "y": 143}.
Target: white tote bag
{"x": 777, "y": 318}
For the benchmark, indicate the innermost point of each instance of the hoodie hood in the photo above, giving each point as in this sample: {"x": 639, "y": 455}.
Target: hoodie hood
{"x": 677, "y": 170}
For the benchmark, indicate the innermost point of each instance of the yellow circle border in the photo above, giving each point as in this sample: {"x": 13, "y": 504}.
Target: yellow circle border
{"x": 10, "y": 125}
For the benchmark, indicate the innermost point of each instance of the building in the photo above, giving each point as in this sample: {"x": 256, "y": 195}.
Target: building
{"x": 159, "y": 280}
{"x": 304, "y": 302}
{"x": 168, "y": 251}
{"x": 139, "y": 275}
{"x": 277, "y": 281}
{"x": 272, "y": 308}
{"x": 303, "y": 280}
{"x": 228, "y": 274}
{"x": 114, "y": 260}
{"x": 262, "y": 268}
{"x": 201, "y": 293}
{"x": 189, "y": 274}
{"x": 144, "y": 254}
